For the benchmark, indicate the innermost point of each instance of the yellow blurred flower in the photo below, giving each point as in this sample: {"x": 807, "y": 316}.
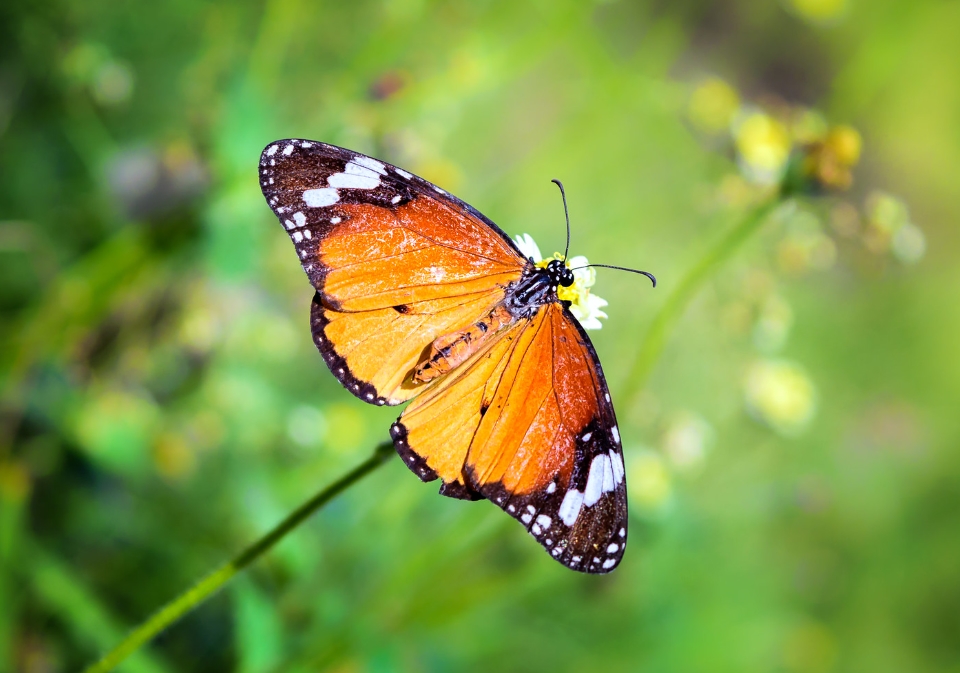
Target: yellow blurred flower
{"x": 713, "y": 105}
{"x": 763, "y": 144}
{"x": 780, "y": 394}
{"x": 829, "y": 162}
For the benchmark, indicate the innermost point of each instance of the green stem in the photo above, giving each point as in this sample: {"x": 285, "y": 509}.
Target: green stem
{"x": 686, "y": 290}
{"x": 203, "y": 589}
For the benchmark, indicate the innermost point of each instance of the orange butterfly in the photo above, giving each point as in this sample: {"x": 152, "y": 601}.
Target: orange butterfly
{"x": 421, "y": 298}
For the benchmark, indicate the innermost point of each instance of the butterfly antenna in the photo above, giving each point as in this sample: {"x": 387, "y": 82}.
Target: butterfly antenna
{"x": 566, "y": 214}
{"x": 653, "y": 279}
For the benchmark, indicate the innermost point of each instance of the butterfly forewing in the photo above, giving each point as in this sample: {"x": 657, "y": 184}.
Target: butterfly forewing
{"x": 395, "y": 260}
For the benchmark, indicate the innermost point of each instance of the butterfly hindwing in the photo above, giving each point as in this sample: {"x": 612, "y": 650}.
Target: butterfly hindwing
{"x": 528, "y": 424}
{"x": 395, "y": 261}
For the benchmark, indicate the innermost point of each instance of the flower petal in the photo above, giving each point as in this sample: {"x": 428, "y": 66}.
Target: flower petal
{"x": 528, "y": 247}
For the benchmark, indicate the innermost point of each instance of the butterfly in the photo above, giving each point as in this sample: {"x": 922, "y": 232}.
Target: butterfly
{"x": 419, "y": 298}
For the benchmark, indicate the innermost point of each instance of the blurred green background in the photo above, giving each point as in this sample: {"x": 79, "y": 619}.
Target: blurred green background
{"x": 792, "y": 460}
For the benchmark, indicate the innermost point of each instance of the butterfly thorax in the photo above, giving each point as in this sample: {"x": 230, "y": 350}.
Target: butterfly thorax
{"x": 536, "y": 287}
{"x": 521, "y": 301}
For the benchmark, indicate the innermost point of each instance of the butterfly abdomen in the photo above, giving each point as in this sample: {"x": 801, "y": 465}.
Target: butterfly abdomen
{"x": 450, "y": 350}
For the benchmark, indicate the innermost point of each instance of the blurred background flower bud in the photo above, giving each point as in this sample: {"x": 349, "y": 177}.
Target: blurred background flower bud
{"x": 780, "y": 394}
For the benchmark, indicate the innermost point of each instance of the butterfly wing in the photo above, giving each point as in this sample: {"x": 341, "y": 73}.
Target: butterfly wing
{"x": 395, "y": 261}
{"x": 528, "y": 424}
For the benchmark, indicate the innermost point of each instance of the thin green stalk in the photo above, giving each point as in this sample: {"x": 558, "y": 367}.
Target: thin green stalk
{"x": 686, "y": 290}
{"x": 202, "y": 590}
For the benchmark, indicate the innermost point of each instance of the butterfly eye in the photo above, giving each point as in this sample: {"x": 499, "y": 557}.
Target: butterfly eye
{"x": 566, "y": 277}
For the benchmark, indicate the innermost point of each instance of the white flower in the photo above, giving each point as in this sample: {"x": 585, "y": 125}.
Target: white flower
{"x": 528, "y": 247}
{"x": 584, "y": 305}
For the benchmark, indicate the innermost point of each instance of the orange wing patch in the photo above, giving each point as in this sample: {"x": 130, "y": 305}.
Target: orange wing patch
{"x": 434, "y": 433}
{"x": 377, "y": 257}
{"x": 375, "y": 352}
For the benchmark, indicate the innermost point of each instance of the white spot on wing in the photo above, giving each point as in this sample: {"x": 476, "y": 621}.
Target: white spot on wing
{"x": 526, "y": 518}
{"x": 599, "y": 481}
{"x": 531, "y": 509}
{"x": 587, "y": 437}
{"x": 609, "y": 563}
{"x": 403, "y": 174}
{"x": 623, "y": 532}
{"x": 355, "y": 176}
{"x": 608, "y": 482}
{"x": 272, "y": 150}
{"x": 570, "y": 507}
{"x": 320, "y": 198}
{"x": 613, "y": 548}
{"x": 370, "y": 162}
{"x": 288, "y": 150}
{"x": 616, "y": 434}
{"x": 300, "y": 219}
{"x": 552, "y": 487}
{"x": 616, "y": 461}
{"x": 396, "y": 199}
{"x": 297, "y": 236}
{"x": 535, "y": 528}
{"x": 544, "y": 521}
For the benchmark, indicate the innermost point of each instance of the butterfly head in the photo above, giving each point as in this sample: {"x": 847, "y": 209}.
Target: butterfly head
{"x": 560, "y": 274}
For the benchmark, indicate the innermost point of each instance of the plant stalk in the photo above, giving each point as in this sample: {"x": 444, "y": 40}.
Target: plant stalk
{"x": 672, "y": 310}
{"x": 199, "y": 592}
